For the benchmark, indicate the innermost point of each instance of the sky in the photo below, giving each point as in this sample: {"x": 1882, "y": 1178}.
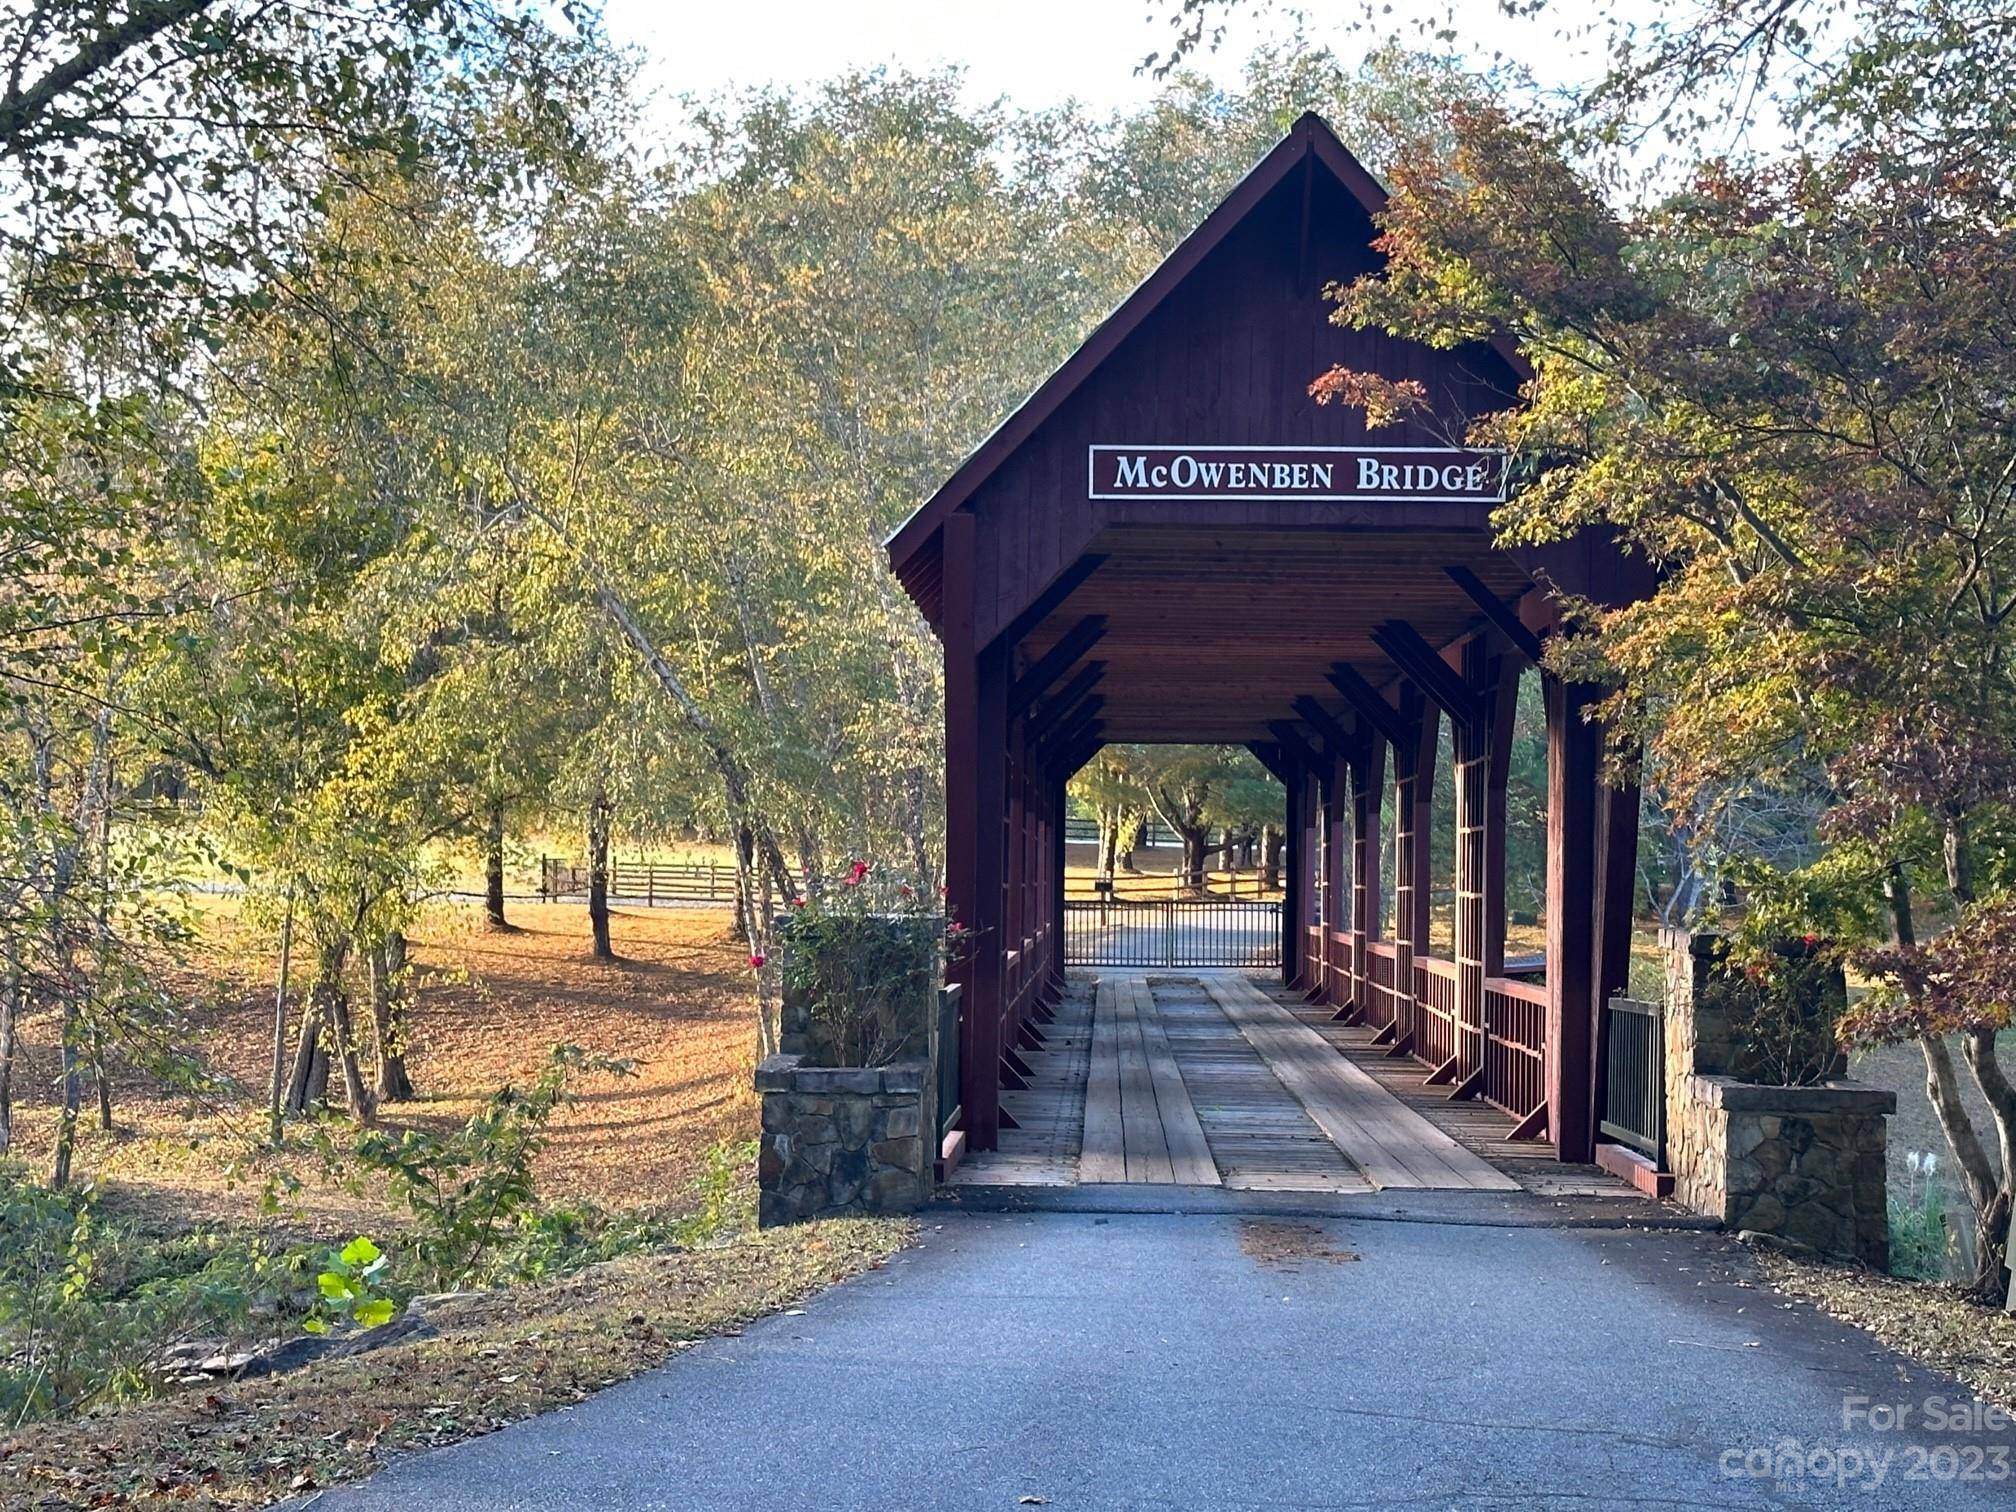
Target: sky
{"x": 1035, "y": 52}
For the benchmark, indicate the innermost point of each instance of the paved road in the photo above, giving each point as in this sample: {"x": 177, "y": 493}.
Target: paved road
{"x": 1114, "y": 1361}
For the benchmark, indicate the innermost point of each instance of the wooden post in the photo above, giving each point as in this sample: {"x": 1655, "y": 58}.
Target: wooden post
{"x": 1292, "y": 880}
{"x": 1013, "y": 933}
{"x": 1613, "y": 895}
{"x": 1058, "y": 858}
{"x": 1336, "y": 979}
{"x": 1503, "y": 711}
{"x": 1471, "y": 746}
{"x": 976, "y": 708}
{"x": 1413, "y": 790}
{"x": 1574, "y": 749}
{"x": 1368, "y": 911}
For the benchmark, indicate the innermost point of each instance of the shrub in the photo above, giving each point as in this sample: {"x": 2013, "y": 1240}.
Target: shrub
{"x": 471, "y": 1191}
{"x": 348, "y": 1288}
{"x": 1783, "y": 1000}
{"x": 88, "y": 1306}
{"x": 862, "y": 956}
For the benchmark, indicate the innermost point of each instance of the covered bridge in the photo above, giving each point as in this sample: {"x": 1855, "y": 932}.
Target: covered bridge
{"x": 1067, "y": 568}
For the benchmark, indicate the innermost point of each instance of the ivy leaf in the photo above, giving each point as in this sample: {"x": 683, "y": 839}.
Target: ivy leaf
{"x": 361, "y": 1252}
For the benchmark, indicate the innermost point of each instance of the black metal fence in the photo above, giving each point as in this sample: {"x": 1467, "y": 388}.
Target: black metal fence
{"x": 948, "y": 1059}
{"x": 1155, "y": 836}
{"x": 1172, "y": 932}
{"x": 1634, "y": 1084}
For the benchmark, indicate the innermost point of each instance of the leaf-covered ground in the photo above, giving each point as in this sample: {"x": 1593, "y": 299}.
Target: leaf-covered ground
{"x": 489, "y": 1007}
{"x": 498, "y": 1357}
{"x": 1936, "y": 1325}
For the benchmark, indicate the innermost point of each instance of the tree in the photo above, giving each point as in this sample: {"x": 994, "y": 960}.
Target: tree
{"x": 162, "y": 161}
{"x": 1187, "y": 787}
{"x": 1782, "y": 384}
{"x": 1108, "y": 785}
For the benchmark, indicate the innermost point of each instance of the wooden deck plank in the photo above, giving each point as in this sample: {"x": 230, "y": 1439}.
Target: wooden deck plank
{"x": 1390, "y": 1142}
{"x": 1475, "y": 1124}
{"x": 1043, "y": 1151}
{"x": 1102, "y": 1155}
{"x": 1147, "y": 1148}
{"x": 1259, "y": 1136}
{"x": 1189, "y": 1152}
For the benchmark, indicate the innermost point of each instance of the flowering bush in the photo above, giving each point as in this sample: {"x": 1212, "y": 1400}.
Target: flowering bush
{"x": 863, "y": 956}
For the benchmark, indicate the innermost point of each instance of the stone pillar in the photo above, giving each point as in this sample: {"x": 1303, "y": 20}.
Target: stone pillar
{"x": 1803, "y": 1164}
{"x": 840, "y": 1140}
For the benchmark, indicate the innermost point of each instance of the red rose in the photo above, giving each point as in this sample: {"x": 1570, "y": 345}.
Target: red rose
{"x": 756, "y": 961}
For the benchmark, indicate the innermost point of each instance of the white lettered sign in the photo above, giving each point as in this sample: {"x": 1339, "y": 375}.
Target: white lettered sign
{"x": 1312, "y": 474}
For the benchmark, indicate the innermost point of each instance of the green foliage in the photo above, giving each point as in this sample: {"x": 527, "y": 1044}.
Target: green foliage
{"x": 347, "y": 1288}
{"x": 470, "y": 1191}
{"x": 863, "y": 955}
{"x": 1925, "y": 1244}
{"x": 1783, "y": 1000}
{"x": 87, "y": 1305}
{"x": 726, "y": 1195}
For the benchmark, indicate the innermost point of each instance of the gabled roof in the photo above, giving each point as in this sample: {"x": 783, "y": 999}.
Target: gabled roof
{"x": 1309, "y": 139}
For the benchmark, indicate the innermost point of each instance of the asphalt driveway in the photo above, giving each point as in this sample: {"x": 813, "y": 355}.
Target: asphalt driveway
{"x": 1138, "y": 1360}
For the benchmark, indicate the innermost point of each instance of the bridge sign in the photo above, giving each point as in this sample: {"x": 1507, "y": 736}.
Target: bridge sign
{"x": 1315, "y": 474}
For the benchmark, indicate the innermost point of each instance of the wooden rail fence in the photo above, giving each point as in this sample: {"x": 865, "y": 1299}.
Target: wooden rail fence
{"x": 648, "y": 882}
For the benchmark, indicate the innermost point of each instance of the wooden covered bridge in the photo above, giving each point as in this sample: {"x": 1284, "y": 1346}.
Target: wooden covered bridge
{"x": 1171, "y": 541}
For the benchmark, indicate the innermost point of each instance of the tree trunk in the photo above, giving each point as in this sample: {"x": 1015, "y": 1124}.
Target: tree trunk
{"x": 101, "y": 1080}
{"x": 309, "y": 1083}
{"x": 10, "y": 1015}
{"x": 327, "y": 1019}
{"x": 1991, "y": 1221}
{"x": 598, "y": 876}
{"x": 72, "y": 1095}
{"x": 308, "y": 1079}
{"x": 354, "y": 1091}
{"x": 1270, "y": 857}
{"x": 1193, "y": 857}
{"x": 276, "y": 1090}
{"x": 388, "y": 1017}
{"x": 493, "y": 867}
{"x": 96, "y": 799}
{"x": 1134, "y": 836}
{"x": 1109, "y": 845}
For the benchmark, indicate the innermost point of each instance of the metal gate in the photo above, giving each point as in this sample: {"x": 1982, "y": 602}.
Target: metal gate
{"x": 1634, "y": 1085}
{"x": 1164, "y": 932}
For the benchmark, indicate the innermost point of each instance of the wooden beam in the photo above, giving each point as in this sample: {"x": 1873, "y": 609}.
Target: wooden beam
{"x": 1046, "y": 714}
{"x": 1370, "y": 705}
{"x": 1074, "y": 762}
{"x": 1048, "y": 601}
{"x": 1054, "y": 663}
{"x": 1069, "y": 733}
{"x": 1574, "y": 781}
{"x": 1424, "y": 667}
{"x": 976, "y": 737}
{"x": 1269, "y": 756}
{"x": 1343, "y": 743}
{"x": 1504, "y": 617}
{"x": 1305, "y": 755}
{"x": 1064, "y": 731}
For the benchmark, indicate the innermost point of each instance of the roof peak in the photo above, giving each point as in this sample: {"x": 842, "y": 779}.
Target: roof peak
{"x": 1309, "y": 137}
